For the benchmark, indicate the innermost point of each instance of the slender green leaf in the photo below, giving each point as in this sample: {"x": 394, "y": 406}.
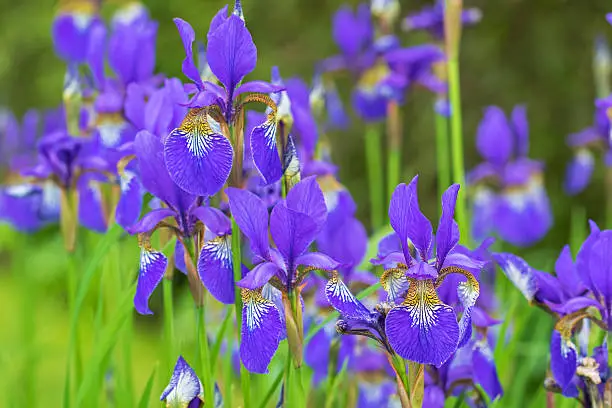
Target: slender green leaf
{"x": 220, "y": 335}
{"x": 272, "y": 390}
{"x": 331, "y": 397}
{"x": 146, "y": 393}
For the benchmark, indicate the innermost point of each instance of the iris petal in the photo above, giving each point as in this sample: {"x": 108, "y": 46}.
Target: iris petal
{"x": 340, "y": 297}
{"x": 519, "y": 273}
{"x": 395, "y": 283}
{"x": 251, "y": 215}
{"x": 423, "y": 329}
{"x": 198, "y": 160}
{"x": 261, "y": 330}
{"x": 215, "y": 268}
{"x": 265, "y": 151}
{"x": 184, "y": 385}
{"x": 152, "y": 267}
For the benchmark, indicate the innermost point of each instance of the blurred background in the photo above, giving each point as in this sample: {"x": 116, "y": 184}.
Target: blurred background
{"x": 537, "y": 53}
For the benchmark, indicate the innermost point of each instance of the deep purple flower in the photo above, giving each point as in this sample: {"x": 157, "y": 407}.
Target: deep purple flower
{"x": 431, "y": 19}
{"x": 198, "y": 153}
{"x": 72, "y": 29}
{"x": 585, "y": 144}
{"x": 184, "y": 389}
{"x": 421, "y": 328}
{"x": 508, "y": 189}
{"x": 184, "y": 210}
{"x": 294, "y": 223}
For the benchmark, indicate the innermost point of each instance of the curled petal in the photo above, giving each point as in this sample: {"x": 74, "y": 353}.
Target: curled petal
{"x": 184, "y": 387}
{"x": 259, "y": 87}
{"x": 215, "y": 267}
{"x": 467, "y": 292}
{"x": 317, "y": 260}
{"x": 198, "y": 160}
{"x": 563, "y": 363}
{"x": 259, "y": 276}
{"x": 341, "y": 299}
{"x": 188, "y": 37}
{"x": 152, "y": 267}
{"x": 261, "y": 331}
{"x": 265, "y": 151}
{"x": 395, "y": 283}
{"x": 423, "y": 329}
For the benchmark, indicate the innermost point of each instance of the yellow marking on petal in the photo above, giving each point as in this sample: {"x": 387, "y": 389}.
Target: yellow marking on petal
{"x": 123, "y": 162}
{"x": 261, "y": 98}
{"x": 423, "y": 302}
{"x": 373, "y": 76}
{"x": 196, "y": 122}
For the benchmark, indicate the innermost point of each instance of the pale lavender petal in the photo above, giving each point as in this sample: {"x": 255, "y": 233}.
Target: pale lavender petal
{"x": 184, "y": 386}
{"x": 519, "y": 273}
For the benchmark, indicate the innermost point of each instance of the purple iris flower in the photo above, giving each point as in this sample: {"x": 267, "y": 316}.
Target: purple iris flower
{"x": 294, "y": 224}
{"x": 420, "y": 327}
{"x": 509, "y": 196}
{"x": 185, "y": 388}
{"x": 199, "y": 153}
{"x": 72, "y": 30}
{"x": 578, "y": 293}
{"x": 28, "y": 207}
{"x": 180, "y": 214}
{"x": 585, "y": 144}
{"x": 431, "y": 19}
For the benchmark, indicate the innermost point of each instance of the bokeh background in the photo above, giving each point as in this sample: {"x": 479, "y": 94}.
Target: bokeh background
{"x": 538, "y": 53}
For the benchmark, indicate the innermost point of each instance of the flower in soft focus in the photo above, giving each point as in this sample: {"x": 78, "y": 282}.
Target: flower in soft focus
{"x": 383, "y": 70}
{"x": 28, "y": 207}
{"x": 199, "y": 153}
{"x": 419, "y": 326}
{"x": 431, "y": 19}
{"x": 585, "y": 144}
{"x": 580, "y": 297}
{"x": 185, "y": 388}
{"x": 508, "y": 194}
{"x": 180, "y": 214}
{"x": 72, "y": 29}
{"x": 294, "y": 224}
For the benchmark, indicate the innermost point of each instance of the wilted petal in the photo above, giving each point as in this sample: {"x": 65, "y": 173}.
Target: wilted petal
{"x": 408, "y": 221}
{"x": 341, "y": 299}
{"x": 265, "y": 151}
{"x": 447, "y": 235}
{"x": 184, "y": 386}
{"x": 579, "y": 171}
{"x": 231, "y": 52}
{"x": 215, "y": 268}
{"x": 563, "y": 363}
{"x": 291, "y": 231}
{"x": 251, "y": 215}
{"x": 494, "y": 139}
{"x": 198, "y": 160}
{"x": 152, "y": 268}
{"x": 261, "y": 330}
{"x": 423, "y": 329}
{"x": 519, "y": 273}
{"x": 395, "y": 283}
{"x": 259, "y": 276}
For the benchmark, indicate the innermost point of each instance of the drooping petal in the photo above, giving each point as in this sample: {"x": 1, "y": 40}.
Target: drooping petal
{"x": 199, "y": 161}
{"x": 395, "y": 283}
{"x": 467, "y": 292}
{"x": 494, "y": 139}
{"x": 317, "y": 260}
{"x": 214, "y": 220}
{"x": 519, "y": 273}
{"x": 251, "y": 215}
{"x": 188, "y": 37}
{"x": 447, "y": 235}
{"x": 563, "y": 363}
{"x": 291, "y": 231}
{"x": 215, "y": 267}
{"x": 485, "y": 372}
{"x": 258, "y": 87}
{"x": 259, "y": 276}
{"x": 408, "y": 221}
{"x": 340, "y": 297}
{"x": 130, "y": 200}
{"x": 152, "y": 268}
{"x": 184, "y": 386}
{"x": 231, "y": 52}
{"x": 91, "y": 213}
{"x": 265, "y": 151}
{"x": 261, "y": 330}
{"x": 150, "y": 220}
{"x": 600, "y": 267}
{"x": 423, "y": 329}
{"x": 306, "y": 197}
{"x": 579, "y": 171}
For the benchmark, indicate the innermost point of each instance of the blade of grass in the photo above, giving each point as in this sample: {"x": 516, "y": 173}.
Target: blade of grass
{"x": 375, "y": 177}
{"x": 277, "y": 381}
{"x": 146, "y": 393}
{"x": 331, "y": 397}
{"x": 216, "y": 349}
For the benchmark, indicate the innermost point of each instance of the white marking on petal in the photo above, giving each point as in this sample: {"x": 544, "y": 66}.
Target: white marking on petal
{"x": 19, "y": 190}
{"x": 256, "y": 308}
{"x": 220, "y": 249}
{"x": 125, "y": 180}
{"x": 147, "y": 258}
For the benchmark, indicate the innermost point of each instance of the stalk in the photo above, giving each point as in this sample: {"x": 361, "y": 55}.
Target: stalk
{"x": 168, "y": 322}
{"x": 203, "y": 352}
{"x": 442, "y": 153}
{"x": 452, "y": 24}
{"x": 375, "y": 177}
{"x": 394, "y": 138}
{"x": 403, "y": 389}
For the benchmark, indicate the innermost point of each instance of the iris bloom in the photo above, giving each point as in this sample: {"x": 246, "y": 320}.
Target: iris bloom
{"x": 185, "y": 388}
{"x": 72, "y": 30}
{"x": 294, "y": 223}
{"x": 585, "y": 144}
{"x": 199, "y": 153}
{"x": 431, "y": 19}
{"x": 180, "y": 214}
{"x": 508, "y": 188}
{"x": 580, "y": 297}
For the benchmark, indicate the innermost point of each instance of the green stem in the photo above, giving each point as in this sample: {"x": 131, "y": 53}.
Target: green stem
{"x": 394, "y": 138}
{"x": 168, "y": 323}
{"x": 578, "y": 227}
{"x": 375, "y": 177}
{"x": 442, "y": 154}
{"x": 245, "y": 382}
{"x": 203, "y": 352}
{"x": 457, "y": 145}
